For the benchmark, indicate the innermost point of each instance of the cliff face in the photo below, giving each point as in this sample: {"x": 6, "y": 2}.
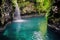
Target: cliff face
{"x": 54, "y": 17}
{"x": 5, "y": 12}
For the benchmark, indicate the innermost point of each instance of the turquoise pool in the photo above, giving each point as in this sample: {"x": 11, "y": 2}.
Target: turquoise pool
{"x": 28, "y": 30}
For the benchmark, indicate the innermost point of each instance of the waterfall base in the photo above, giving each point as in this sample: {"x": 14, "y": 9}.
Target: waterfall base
{"x": 19, "y": 20}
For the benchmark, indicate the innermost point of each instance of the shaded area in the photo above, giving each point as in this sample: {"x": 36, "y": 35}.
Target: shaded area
{"x": 54, "y": 17}
{"x": 52, "y": 35}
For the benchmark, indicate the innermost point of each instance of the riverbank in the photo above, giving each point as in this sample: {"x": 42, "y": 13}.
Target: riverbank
{"x": 3, "y": 28}
{"x": 54, "y": 29}
{"x": 32, "y": 15}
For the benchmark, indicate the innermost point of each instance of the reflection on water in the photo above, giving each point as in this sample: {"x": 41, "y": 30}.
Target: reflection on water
{"x": 29, "y": 30}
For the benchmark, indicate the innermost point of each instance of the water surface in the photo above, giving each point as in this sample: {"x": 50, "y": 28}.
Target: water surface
{"x": 29, "y": 30}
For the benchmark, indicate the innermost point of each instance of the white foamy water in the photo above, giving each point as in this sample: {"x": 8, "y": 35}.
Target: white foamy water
{"x": 19, "y": 21}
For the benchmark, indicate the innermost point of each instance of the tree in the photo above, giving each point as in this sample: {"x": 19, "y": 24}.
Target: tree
{"x": 44, "y": 6}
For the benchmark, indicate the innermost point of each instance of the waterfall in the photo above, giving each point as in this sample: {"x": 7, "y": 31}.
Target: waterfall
{"x": 17, "y": 16}
{"x": 17, "y": 12}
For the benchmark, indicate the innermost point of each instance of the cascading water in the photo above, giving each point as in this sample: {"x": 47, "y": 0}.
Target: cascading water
{"x": 17, "y": 16}
{"x": 17, "y": 12}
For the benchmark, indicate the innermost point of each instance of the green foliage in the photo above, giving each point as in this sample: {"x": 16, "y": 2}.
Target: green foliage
{"x": 44, "y": 5}
{"x": 14, "y": 2}
{"x": 23, "y": 4}
{"x": 3, "y": 1}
